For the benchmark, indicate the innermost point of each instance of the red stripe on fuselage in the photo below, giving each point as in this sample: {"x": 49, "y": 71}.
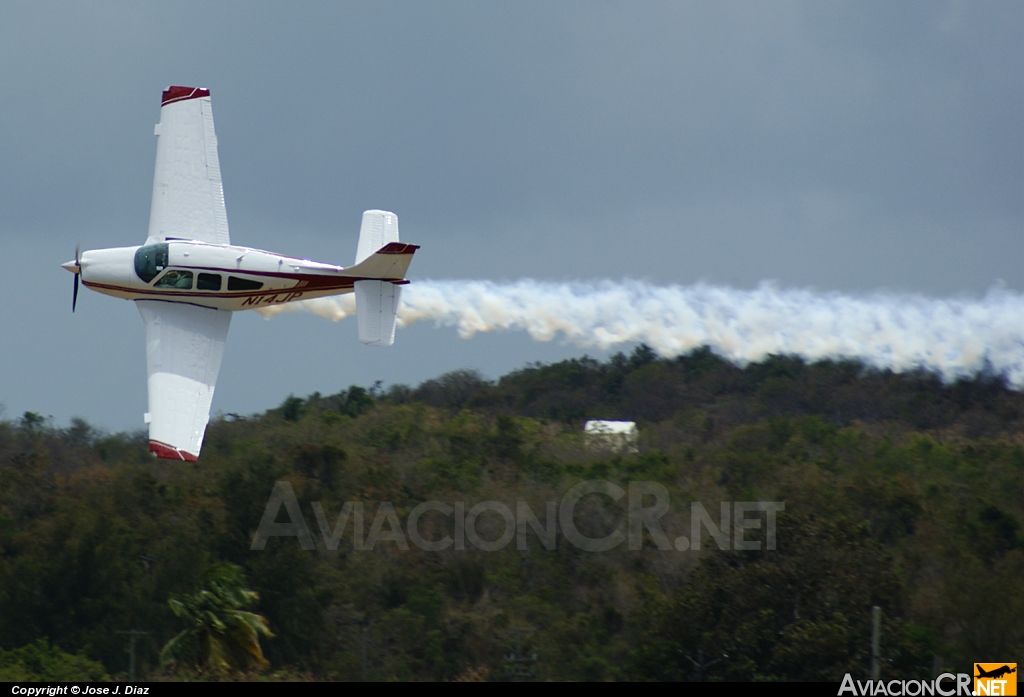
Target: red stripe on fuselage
{"x": 347, "y": 283}
{"x": 172, "y": 293}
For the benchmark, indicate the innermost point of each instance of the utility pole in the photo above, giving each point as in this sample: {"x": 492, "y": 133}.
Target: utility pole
{"x": 362, "y": 653}
{"x": 133, "y": 634}
{"x": 364, "y": 622}
{"x": 876, "y": 640}
{"x": 701, "y": 665}
{"x": 517, "y": 666}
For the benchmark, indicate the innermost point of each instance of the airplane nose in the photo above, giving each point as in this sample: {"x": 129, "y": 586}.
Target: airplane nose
{"x": 72, "y": 266}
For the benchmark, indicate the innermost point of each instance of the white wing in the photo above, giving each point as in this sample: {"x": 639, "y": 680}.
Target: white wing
{"x": 188, "y": 197}
{"x": 184, "y": 347}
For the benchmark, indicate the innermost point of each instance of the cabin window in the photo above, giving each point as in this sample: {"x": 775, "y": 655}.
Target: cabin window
{"x": 150, "y": 261}
{"x": 208, "y": 281}
{"x": 180, "y": 280}
{"x": 235, "y": 283}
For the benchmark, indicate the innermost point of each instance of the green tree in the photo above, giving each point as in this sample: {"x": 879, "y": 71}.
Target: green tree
{"x": 221, "y": 636}
{"x": 39, "y": 661}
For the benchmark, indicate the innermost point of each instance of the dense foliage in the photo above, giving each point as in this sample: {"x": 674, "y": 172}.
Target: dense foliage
{"x": 899, "y": 491}
{"x": 40, "y": 661}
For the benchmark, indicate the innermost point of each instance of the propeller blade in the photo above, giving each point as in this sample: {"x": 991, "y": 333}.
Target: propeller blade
{"x": 78, "y": 272}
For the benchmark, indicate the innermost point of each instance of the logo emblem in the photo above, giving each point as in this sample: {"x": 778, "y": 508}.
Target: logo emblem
{"x": 995, "y": 679}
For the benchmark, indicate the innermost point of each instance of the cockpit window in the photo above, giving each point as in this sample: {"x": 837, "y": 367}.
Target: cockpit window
{"x": 150, "y": 261}
{"x": 181, "y": 280}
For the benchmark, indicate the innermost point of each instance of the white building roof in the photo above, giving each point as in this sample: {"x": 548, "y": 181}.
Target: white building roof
{"x": 627, "y": 428}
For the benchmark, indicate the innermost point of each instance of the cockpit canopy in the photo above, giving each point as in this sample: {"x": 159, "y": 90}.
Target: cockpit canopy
{"x": 150, "y": 261}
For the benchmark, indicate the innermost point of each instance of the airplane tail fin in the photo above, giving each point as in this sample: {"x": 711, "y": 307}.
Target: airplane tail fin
{"x": 378, "y": 229}
{"x": 381, "y": 261}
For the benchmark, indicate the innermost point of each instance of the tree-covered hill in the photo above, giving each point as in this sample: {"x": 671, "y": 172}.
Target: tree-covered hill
{"x": 899, "y": 491}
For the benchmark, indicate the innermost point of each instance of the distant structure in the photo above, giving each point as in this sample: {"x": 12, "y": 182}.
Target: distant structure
{"x": 618, "y": 436}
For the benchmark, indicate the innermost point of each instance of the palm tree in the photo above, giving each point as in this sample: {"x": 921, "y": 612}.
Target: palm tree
{"x": 220, "y": 635}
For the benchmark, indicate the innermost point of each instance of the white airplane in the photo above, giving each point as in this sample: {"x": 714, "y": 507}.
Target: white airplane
{"x": 188, "y": 278}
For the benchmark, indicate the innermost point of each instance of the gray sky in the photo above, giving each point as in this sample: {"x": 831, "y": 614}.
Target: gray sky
{"x": 839, "y": 146}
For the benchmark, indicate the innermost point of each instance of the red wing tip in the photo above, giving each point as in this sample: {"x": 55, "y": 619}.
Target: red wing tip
{"x": 178, "y": 93}
{"x": 167, "y": 452}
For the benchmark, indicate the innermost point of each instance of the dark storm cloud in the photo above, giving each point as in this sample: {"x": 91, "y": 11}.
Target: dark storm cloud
{"x": 506, "y": 111}
{"x": 847, "y": 146}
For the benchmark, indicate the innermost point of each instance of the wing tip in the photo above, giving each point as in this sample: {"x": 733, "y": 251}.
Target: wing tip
{"x": 169, "y": 452}
{"x": 179, "y": 93}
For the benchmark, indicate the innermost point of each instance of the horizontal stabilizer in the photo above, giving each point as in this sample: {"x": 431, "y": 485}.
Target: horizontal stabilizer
{"x": 377, "y": 310}
{"x": 389, "y": 262}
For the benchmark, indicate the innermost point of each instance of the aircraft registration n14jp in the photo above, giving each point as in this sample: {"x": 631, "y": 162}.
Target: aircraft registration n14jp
{"x": 188, "y": 278}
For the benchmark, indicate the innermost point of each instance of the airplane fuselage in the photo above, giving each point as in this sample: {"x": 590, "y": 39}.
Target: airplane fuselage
{"x": 224, "y": 277}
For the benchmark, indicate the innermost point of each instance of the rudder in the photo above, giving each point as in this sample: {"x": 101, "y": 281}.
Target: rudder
{"x": 377, "y": 229}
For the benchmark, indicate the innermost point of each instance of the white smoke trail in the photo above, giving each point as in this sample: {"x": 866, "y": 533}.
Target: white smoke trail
{"x": 952, "y": 337}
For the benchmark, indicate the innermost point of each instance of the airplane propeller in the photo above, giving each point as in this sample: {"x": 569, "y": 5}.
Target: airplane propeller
{"x": 74, "y": 294}
{"x": 75, "y": 267}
